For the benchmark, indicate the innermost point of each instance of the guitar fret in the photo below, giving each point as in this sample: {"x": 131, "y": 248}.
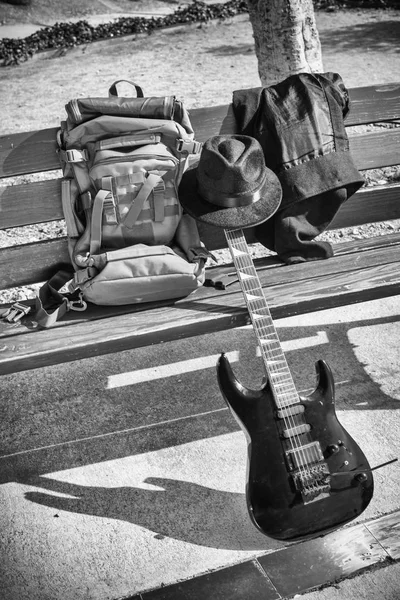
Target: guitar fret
{"x": 274, "y": 353}
{"x": 284, "y": 384}
{"x": 287, "y": 387}
{"x": 268, "y": 342}
{"x": 274, "y": 359}
{"x": 268, "y": 349}
{"x": 277, "y": 375}
{"x": 268, "y": 337}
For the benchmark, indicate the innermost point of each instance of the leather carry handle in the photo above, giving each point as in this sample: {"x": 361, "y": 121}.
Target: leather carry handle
{"x": 114, "y": 92}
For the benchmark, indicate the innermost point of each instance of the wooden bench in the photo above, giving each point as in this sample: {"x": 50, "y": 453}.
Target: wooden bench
{"x": 362, "y": 269}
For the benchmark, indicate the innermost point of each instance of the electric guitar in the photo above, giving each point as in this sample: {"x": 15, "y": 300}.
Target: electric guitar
{"x": 306, "y": 475}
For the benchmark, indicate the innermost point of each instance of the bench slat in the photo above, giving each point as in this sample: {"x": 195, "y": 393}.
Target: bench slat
{"x": 18, "y": 207}
{"x": 370, "y": 151}
{"x": 30, "y": 152}
{"x": 34, "y": 152}
{"x": 374, "y": 103}
{"x": 369, "y": 205}
{"x": 376, "y": 149}
{"x": 369, "y": 104}
{"x": 30, "y": 203}
{"x": 32, "y": 263}
{"x": 193, "y": 316}
{"x": 363, "y": 253}
{"x": 360, "y": 254}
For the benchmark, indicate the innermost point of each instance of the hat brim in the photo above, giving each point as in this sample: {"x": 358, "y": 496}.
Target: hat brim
{"x": 230, "y": 218}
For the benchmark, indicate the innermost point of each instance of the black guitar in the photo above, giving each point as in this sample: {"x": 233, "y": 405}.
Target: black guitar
{"x": 306, "y": 474}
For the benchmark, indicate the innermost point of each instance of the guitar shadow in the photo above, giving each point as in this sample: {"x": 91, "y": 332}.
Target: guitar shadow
{"x": 181, "y": 510}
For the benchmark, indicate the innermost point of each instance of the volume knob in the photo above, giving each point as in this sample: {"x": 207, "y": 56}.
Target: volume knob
{"x": 333, "y": 448}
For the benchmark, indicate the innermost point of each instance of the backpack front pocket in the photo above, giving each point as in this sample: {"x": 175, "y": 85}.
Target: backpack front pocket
{"x": 141, "y": 273}
{"x": 143, "y": 205}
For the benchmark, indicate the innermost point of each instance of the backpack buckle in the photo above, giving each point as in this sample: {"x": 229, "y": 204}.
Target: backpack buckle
{"x": 188, "y": 146}
{"x": 73, "y": 155}
{"x": 78, "y": 305}
{"x": 16, "y": 312}
{"x": 110, "y": 209}
{"x": 200, "y": 253}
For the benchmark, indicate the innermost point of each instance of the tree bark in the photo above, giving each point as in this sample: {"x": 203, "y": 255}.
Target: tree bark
{"x": 286, "y": 38}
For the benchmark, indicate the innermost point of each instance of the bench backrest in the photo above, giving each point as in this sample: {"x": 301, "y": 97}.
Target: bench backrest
{"x": 39, "y": 201}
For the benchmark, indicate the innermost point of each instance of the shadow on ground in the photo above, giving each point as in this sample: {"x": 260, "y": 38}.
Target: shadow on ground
{"x": 231, "y": 50}
{"x": 181, "y": 510}
{"x": 377, "y": 36}
{"x": 94, "y": 422}
{"x": 73, "y": 416}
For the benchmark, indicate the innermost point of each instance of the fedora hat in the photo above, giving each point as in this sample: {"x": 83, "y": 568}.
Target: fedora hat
{"x": 230, "y": 187}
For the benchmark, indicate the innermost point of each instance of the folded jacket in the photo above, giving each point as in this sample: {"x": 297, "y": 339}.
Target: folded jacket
{"x": 299, "y": 123}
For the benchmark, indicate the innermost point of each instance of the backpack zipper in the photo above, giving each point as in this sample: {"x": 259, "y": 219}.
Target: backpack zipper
{"x": 106, "y": 161}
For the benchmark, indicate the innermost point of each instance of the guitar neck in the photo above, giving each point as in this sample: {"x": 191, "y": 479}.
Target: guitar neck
{"x": 280, "y": 378}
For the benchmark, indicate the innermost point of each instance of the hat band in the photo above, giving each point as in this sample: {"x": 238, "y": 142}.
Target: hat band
{"x": 231, "y": 201}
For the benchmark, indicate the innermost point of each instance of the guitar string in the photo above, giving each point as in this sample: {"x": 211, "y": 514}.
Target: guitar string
{"x": 305, "y": 453}
{"x": 261, "y": 304}
{"x": 270, "y": 368}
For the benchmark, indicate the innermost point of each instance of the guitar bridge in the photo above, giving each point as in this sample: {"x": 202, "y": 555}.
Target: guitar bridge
{"x": 313, "y": 483}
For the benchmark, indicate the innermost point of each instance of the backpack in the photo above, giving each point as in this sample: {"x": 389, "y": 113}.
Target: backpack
{"x": 122, "y": 160}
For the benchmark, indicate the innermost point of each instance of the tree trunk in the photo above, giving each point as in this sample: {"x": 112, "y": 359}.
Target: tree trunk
{"x": 286, "y": 38}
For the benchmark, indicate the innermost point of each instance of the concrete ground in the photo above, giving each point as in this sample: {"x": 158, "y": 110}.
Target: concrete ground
{"x": 383, "y": 584}
{"x": 124, "y": 473}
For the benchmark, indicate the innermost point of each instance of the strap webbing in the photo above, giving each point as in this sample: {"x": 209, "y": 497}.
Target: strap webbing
{"x": 129, "y": 179}
{"x": 158, "y": 202}
{"x": 151, "y": 182}
{"x": 51, "y": 305}
{"x": 97, "y": 220}
{"x": 66, "y": 201}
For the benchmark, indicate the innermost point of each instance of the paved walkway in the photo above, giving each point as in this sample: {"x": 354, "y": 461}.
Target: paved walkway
{"x": 122, "y": 474}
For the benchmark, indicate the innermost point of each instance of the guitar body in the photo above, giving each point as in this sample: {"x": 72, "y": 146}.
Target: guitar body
{"x": 275, "y": 502}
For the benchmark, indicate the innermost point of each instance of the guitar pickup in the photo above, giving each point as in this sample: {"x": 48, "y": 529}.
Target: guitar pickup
{"x": 303, "y": 456}
{"x": 296, "y": 430}
{"x": 289, "y": 411}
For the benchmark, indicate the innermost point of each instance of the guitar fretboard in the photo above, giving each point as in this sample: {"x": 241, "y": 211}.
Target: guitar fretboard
{"x": 276, "y": 367}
